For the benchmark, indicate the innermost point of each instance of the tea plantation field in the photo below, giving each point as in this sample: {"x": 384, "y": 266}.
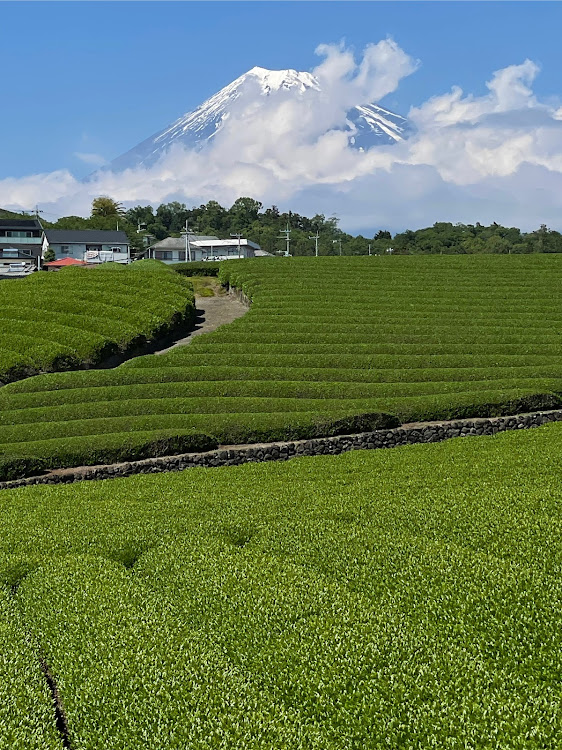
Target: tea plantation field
{"x": 395, "y": 599}
{"x": 325, "y": 339}
{"x": 63, "y": 320}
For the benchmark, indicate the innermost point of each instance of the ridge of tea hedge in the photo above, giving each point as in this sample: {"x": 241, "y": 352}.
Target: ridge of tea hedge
{"x": 87, "y": 315}
{"x": 405, "y": 598}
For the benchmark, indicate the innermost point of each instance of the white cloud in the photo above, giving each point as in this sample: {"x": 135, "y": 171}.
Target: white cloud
{"x": 494, "y": 157}
{"x": 96, "y": 160}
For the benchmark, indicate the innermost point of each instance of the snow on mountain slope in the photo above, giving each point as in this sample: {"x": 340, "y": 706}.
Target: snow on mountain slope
{"x": 194, "y": 130}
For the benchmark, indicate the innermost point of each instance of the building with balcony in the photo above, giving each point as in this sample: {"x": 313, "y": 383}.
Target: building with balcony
{"x": 21, "y": 245}
{"x": 90, "y": 245}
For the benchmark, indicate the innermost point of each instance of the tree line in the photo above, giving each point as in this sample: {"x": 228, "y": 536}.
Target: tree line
{"x": 146, "y": 225}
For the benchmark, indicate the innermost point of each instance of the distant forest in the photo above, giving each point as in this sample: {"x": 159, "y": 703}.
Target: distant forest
{"x": 146, "y": 225}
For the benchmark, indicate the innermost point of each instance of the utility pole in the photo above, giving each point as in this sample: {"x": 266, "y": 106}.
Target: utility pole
{"x": 334, "y": 242}
{"x": 237, "y": 234}
{"x": 369, "y": 250}
{"x": 286, "y": 232}
{"x": 32, "y": 211}
{"x": 187, "y": 230}
{"x": 315, "y": 238}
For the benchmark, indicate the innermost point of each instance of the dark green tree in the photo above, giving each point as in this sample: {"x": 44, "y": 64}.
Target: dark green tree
{"x": 106, "y": 206}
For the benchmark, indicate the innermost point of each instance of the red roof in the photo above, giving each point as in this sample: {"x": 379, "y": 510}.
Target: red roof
{"x": 66, "y": 262}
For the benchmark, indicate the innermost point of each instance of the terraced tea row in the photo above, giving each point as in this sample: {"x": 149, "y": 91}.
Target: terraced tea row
{"x": 76, "y": 317}
{"x": 406, "y": 598}
{"x": 328, "y": 338}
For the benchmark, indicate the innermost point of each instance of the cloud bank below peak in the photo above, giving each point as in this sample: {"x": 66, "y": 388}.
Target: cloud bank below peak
{"x": 496, "y": 157}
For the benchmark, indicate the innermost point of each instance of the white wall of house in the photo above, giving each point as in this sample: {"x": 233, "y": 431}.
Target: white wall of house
{"x": 205, "y": 250}
{"x": 92, "y": 253}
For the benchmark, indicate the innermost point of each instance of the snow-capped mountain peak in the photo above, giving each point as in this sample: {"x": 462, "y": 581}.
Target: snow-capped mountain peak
{"x": 273, "y": 80}
{"x": 369, "y": 124}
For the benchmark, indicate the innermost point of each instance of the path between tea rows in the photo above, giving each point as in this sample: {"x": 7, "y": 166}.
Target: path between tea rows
{"x": 211, "y": 312}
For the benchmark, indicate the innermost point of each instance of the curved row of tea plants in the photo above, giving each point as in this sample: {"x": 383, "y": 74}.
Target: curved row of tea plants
{"x": 78, "y": 316}
{"x": 406, "y": 598}
{"x": 325, "y": 339}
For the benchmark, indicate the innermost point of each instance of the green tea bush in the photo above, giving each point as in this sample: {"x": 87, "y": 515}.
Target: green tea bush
{"x": 77, "y": 317}
{"x": 196, "y": 268}
{"x": 405, "y": 598}
{"x": 325, "y": 340}
{"x": 20, "y": 466}
{"x": 87, "y": 448}
{"x": 27, "y": 717}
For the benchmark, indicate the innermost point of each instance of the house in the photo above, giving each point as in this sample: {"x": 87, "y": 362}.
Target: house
{"x": 201, "y": 247}
{"x": 21, "y": 245}
{"x": 90, "y": 245}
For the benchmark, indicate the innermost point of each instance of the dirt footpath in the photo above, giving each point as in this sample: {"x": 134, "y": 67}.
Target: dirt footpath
{"x": 211, "y": 313}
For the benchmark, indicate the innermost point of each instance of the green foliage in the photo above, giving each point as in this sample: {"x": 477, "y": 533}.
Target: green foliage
{"x": 105, "y": 206}
{"x": 114, "y": 445}
{"x": 446, "y": 238}
{"x": 143, "y": 225}
{"x": 27, "y": 718}
{"x": 149, "y": 264}
{"x": 404, "y": 598}
{"x": 49, "y": 255}
{"x": 20, "y": 466}
{"x": 196, "y": 268}
{"x": 81, "y": 316}
{"x": 325, "y": 343}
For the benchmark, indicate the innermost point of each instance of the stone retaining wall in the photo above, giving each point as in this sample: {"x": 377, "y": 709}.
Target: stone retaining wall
{"x": 239, "y": 295}
{"x": 430, "y": 432}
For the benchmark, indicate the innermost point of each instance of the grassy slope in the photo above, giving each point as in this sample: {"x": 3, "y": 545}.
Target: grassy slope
{"x": 59, "y": 321}
{"x": 406, "y": 598}
{"x": 419, "y": 337}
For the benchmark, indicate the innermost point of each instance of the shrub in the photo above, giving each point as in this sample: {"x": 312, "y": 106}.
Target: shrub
{"x": 15, "y": 467}
{"x": 196, "y": 268}
{"x": 83, "y": 316}
{"x": 326, "y": 342}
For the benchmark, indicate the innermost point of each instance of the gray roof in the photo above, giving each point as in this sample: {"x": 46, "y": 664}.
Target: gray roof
{"x": 29, "y": 224}
{"x": 171, "y": 243}
{"x": 178, "y": 243}
{"x": 94, "y": 236}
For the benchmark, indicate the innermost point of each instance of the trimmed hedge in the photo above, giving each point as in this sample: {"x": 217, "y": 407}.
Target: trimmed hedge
{"x": 196, "y": 268}
{"x": 80, "y": 317}
{"x": 90, "y": 450}
{"x": 325, "y": 340}
{"x": 379, "y": 599}
{"x": 15, "y": 467}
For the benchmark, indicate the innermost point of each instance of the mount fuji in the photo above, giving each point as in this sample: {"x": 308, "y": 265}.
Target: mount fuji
{"x": 368, "y": 124}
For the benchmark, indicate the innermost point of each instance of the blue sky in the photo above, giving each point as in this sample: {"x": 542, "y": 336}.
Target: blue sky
{"x": 98, "y": 77}
{"x": 88, "y": 80}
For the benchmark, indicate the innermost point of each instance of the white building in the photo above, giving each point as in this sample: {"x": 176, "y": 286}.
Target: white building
{"x": 90, "y": 245}
{"x": 202, "y": 247}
